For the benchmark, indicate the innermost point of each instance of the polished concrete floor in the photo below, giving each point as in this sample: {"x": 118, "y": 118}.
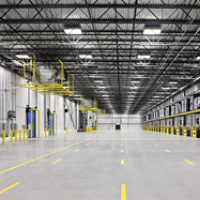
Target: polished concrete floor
{"x": 92, "y": 166}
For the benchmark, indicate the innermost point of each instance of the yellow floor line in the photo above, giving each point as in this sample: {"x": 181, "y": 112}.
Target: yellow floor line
{"x": 10, "y": 187}
{"x": 167, "y": 150}
{"x": 156, "y": 144}
{"x": 56, "y": 161}
{"x": 191, "y": 163}
{"x": 122, "y": 150}
{"x": 87, "y": 144}
{"x": 123, "y": 191}
{"x": 122, "y": 162}
{"x": 122, "y": 145}
{"x": 77, "y": 150}
{"x": 40, "y": 157}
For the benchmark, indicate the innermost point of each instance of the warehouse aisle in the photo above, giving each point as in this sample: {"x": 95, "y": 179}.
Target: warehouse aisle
{"x": 127, "y": 164}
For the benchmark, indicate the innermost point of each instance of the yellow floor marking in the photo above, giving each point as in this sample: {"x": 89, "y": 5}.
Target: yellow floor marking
{"x": 56, "y": 161}
{"x": 87, "y": 144}
{"x": 167, "y": 150}
{"x": 30, "y": 161}
{"x": 122, "y": 162}
{"x": 77, "y": 150}
{"x": 149, "y": 141}
{"x": 156, "y": 144}
{"x": 122, "y": 145}
{"x": 189, "y": 162}
{"x": 123, "y": 191}
{"x": 122, "y": 150}
{"x": 8, "y": 188}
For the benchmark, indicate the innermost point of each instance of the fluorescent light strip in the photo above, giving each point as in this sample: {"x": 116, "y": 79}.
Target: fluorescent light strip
{"x": 151, "y": 31}
{"x": 23, "y": 56}
{"x": 142, "y": 57}
{"x": 73, "y": 31}
{"x": 85, "y": 56}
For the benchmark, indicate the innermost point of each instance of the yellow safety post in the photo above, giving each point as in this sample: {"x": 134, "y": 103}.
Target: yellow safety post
{"x": 27, "y": 134}
{"x": 49, "y": 132}
{"x": 172, "y": 130}
{"x": 31, "y": 123}
{"x": 194, "y": 131}
{"x": 11, "y": 137}
{"x": 178, "y": 130}
{"x": 4, "y": 137}
{"x": 66, "y": 131}
{"x": 62, "y": 65}
{"x": 185, "y": 131}
{"x": 45, "y": 133}
{"x": 23, "y": 134}
{"x": 20, "y": 137}
{"x": 15, "y": 134}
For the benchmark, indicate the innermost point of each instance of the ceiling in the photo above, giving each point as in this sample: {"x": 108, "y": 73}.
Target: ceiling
{"x": 112, "y": 32}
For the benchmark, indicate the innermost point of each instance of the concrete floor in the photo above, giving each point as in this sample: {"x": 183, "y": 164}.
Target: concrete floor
{"x": 91, "y": 167}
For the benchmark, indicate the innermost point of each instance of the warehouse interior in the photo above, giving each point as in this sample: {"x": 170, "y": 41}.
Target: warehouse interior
{"x": 99, "y": 99}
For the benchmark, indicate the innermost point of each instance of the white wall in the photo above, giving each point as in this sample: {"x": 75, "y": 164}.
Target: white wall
{"x": 14, "y": 97}
{"x": 127, "y": 121}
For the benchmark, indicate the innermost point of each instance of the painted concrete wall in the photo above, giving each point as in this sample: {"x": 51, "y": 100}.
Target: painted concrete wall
{"x": 127, "y": 121}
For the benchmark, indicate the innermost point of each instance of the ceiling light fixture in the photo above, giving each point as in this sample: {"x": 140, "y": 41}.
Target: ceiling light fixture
{"x": 142, "y": 57}
{"x": 198, "y": 58}
{"x": 85, "y": 56}
{"x": 23, "y": 56}
{"x": 71, "y": 31}
{"x": 152, "y": 31}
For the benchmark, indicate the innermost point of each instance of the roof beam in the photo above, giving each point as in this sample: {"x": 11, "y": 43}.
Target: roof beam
{"x": 99, "y": 6}
{"x": 98, "y": 21}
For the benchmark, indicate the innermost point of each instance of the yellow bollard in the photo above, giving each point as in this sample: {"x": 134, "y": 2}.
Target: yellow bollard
{"x": 11, "y": 136}
{"x": 27, "y": 134}
{"x": 20, "y": 136}
{"x": 4, "y": 138}
{"x": 15, "y": 134}
{"x": 23, "y": 134}
{"x": 49, "y": 132}
{"x": 45, "y": 135}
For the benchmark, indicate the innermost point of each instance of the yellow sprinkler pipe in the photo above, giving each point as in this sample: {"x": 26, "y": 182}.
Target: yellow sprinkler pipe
{"x": 33, "y": 68}
{"x": 62, "y": 66}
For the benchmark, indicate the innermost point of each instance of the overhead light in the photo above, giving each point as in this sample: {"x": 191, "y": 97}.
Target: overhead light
{"x": 134, "y": 87}
{"x": 23, "y": 56}
{"x": 101, "y": 87}
{"x": 152, "y": 31}
{"x": 173, "y": 82}
{"x": 98, "y": 81}
{"x": 85, "y": 56}
{"x": 198, "y": 58}
{"x": 72, "y": 31}
{"x": 17, "y": 63}
{"x": 135, "y": 81}
{"x": 142, "y": 57}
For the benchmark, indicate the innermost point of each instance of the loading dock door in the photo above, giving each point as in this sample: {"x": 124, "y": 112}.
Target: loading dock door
{"x": 117, "y": 126}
